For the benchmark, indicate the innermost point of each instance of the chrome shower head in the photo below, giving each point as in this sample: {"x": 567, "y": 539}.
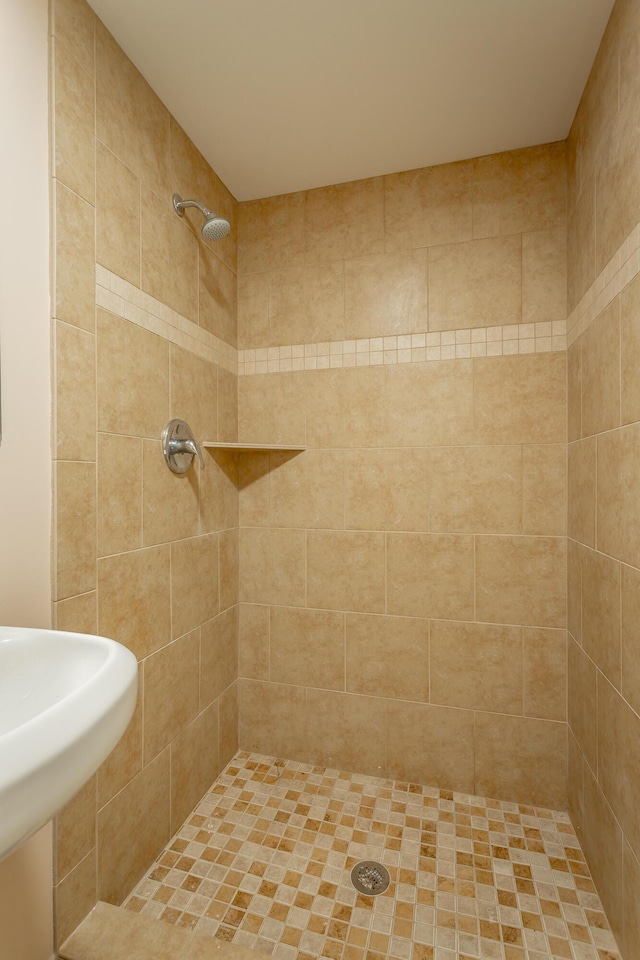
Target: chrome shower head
{"x": 213, "y": 228}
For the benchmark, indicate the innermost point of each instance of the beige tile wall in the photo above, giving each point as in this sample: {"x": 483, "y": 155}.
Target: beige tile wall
{"x": 403, "y": 580}
{"x": 464, "y": 245}
{"x": 604, "y": 462}
{"x": 142, "y": 556}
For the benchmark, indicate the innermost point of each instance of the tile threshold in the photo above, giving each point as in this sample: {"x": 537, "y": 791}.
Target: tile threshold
{"x": 113, "y": 933}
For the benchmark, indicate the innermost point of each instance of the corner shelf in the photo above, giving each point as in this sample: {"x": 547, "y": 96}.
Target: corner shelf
{"x": 252, "y": 447}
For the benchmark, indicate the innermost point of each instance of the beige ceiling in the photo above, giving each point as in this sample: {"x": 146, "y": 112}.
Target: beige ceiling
{"x": 283, "y": 95}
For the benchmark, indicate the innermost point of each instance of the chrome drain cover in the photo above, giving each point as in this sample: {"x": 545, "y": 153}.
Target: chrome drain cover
{"x": 370, "y": 877}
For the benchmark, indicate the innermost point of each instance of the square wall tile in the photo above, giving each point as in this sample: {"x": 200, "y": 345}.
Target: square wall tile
{"x": 75, "y": 896}
{"x": 194, "y": 396}
{"x": 75, "y": 539}
{"x": 475, "y": 489}
{"x": 475, "y": 284}
{"x": 429, "y": 206}
{"x": 130, "y": 119}
{"x": 346, "y": 571}
{"x": 75, "y": 830}
{"x": 75, "y": 397}
{"x": 521, "y": 759}
{"x": 346, "y": 408}
{"x": 386, "y": 294}
{"x": 344, "y": 220}
{"x": 272, "y": 409}
{"x": 602, "y": 840}
{"x": 169, "y": 501}
{"x": 73, "y": 22}
{"x": 630, "y": 351}
{"x": 430, "y": 575}
{"x": 429, "y": 744}
{"x": 601, "y": 613}
{"x": 117, "y": 216}
{"x": 581, "y": 688}
{"x": 581, "y": 491}
{"x": 520, "y": 399}
{"x": 545, "y": 673}
{"x": 544, "y": 489}
{"x": 174, "y": 668}
{"x": 307, "y": 647}
{"x": 387, "y": 656}
{"x": 618, "y": 509}
{"x": 519, "y": 190}
{"x": 601, "y": 372}
{"x": 253, "y": 641}
{"x": 194, "y": 764}
{"x": 386, "y": 489}
{"x": 169, "y": 255}
{"x": 133, "y": 379}
{"x": 119, "y": 494}
{"x": 134, "y": 599}
{"x": 218, "y": 655}
{"x": 272, "y": 717}
{"x": 630, "y": 599}
{"x": 132, "y": 830}
{"x": 271, "y": 233}
{"x": 619, "y": 758}
{"x": 194, "y": 583}
{"x": 429, "y": 404}
{"x": 75, "y": 292}
{"x": 74, "y": 129}
{"x": 306, "y": 303}
{"x": 477, "y": 666}
{"x": 272, "y": 566}
{"x": 544, "y": 274}
{"x": 125, "y": 760}
{"x": 307, "y": 490}
{"x": 346, "y": 731}
{"x": 521, "y": 580}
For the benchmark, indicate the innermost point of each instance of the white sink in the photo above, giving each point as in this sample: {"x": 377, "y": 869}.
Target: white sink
{"x": 65, "y": 701}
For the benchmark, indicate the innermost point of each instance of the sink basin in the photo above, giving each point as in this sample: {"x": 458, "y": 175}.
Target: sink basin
{"x": 65, "y": 701}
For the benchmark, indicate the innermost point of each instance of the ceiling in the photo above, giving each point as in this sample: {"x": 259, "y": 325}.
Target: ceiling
{"x": 284, "y": 95}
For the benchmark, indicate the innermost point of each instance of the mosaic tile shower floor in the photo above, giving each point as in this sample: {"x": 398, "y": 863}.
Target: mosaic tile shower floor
{"x": 265, "y": 859}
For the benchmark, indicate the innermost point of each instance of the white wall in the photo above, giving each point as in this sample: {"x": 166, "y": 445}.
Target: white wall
{"x": 25, "y": 456}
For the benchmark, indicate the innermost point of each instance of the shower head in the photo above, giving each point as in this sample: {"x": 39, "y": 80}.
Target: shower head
{"x": 213, "y": 228}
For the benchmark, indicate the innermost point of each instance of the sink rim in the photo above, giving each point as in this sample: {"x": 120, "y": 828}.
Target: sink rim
{"x": 115, "y": 653}
{"x": 47, "y": 758}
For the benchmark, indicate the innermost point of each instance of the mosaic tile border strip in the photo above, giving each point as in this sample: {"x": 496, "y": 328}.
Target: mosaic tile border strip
{"x": 129, "y": 302}
{"x": 497, "y": 341}
{"x": 623, "y": 267}
{"x": 264, "y": 862}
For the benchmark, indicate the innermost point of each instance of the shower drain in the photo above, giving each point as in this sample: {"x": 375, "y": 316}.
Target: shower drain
{"x": 370, "y": 877}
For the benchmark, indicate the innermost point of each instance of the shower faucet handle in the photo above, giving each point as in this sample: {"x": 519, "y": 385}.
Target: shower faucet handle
{"x": 179, "y": 446}
{"x": 187, "y": 446}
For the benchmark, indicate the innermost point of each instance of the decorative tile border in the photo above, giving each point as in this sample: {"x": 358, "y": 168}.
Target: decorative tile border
{"x": 623, "y": 267}
{"x": 410, "y": 348}
{"x": 129, "y": 302}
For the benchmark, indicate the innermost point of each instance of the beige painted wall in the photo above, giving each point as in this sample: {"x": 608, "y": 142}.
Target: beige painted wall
{"x": 25, "y": 452}
{"x": 604, "y": 467}
{"x": 403, "y": 580}
{"x": 25, "y": 457}
{"x": 142, "y": 556}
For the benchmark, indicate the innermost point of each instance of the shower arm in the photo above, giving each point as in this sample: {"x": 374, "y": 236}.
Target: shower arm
{"x": 179, "y": 206}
